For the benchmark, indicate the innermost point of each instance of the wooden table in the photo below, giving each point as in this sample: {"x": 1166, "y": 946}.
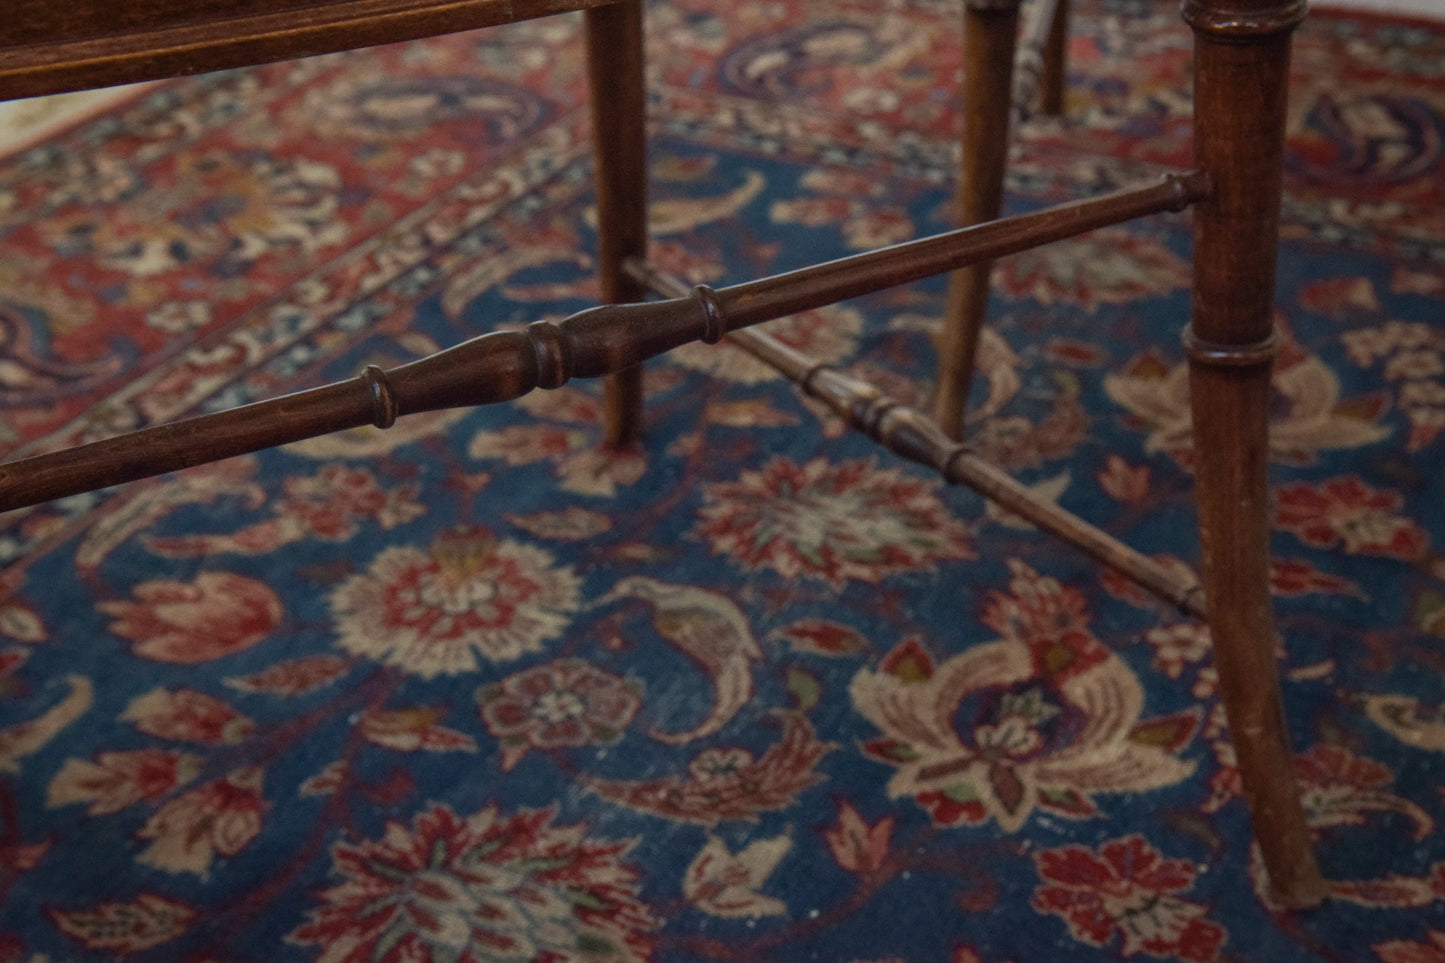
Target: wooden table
{"x": 1241, "y": 67}
{"x": 52, "y": 46}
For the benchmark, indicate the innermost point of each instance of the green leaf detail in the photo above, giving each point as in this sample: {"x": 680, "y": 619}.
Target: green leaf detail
{"x": 805, "y": 688}
{"x": 595, "y": 944}
{"x": 585, "y": 899}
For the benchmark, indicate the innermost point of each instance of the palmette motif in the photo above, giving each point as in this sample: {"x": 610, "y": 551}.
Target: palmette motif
{"x": 479, "y": 889}
{"x": 832, "y": 522}
{"x": 1044, "y": 718}
{"x": 433, "y": 612}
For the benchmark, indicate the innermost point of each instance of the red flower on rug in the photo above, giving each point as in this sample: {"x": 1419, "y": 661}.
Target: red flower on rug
{"x": 185, "y": 715}
{"x": 219, "y": 818}
{"x": 217, "y": 614}
{"x": 431, "y": 612}
{"x": 729, "y": 784}
{"x": 857, "y": 846}
{"x": 329, "y": 503}
{"x": 565, "y": 704}
{"x": 291, "y": 677}
{"x": 1339, "y": 787}
{"x": 833, "y": 522}
{"x": 1127, "y": 887}
{"x": 116, "y": 780}
{"x": 1345, "y": 511}
{"x": 480, "y": 888}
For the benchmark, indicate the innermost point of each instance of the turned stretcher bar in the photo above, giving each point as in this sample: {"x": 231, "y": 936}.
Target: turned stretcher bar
{"x": 598, "y": 341}
{"x": 504, "y": 365}
{"x": 911, "y": 434}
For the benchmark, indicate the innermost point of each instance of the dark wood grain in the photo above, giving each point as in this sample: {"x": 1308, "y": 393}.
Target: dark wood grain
{"x": 1004, "y": 75}
{"x": 989, "y": 36}
{"x": 616, "y": 78}
{"x": 1053, "y": 80}
{"x": 1241, "y": 73}
{"x": 1038, "y": 84}
{"x": 49, "y": 47}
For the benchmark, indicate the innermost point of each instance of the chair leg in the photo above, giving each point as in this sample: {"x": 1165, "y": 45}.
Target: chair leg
{"x": 616, "y": 78}
{"x": 990, "y": 30}
{"x": 1241, "y": 73}
{"x": 1052, "y": 82}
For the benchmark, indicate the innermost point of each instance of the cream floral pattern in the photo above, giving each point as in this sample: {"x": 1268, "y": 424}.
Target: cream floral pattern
{"x": 433, "y": 612}
{"x": 483, "y": 888}
{"x": 1044, "y": 718}
{"x": 835, "y": 522}
{"x": 1311, "y": 416}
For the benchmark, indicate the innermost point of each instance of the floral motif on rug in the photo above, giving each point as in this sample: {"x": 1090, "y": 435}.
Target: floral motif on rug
{"x": 480, "y": 688}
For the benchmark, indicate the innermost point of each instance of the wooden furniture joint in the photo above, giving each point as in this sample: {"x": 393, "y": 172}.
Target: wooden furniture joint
{"x": 1261, "y": 352}
{"x": 1251, "y": 21}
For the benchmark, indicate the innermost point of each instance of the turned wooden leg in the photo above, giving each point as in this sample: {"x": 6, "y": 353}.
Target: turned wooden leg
{"x": 990, "y": 29}
{"x": 619, "y": 150}
{"x": 1051, "y": 84}
{"x": 1241, "y": 73}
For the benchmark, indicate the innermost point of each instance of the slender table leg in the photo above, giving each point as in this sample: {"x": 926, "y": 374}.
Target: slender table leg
{"x": 616, "y": 77}
{"x": 1241, "y": 74}
{"x": 1052, "y": 84}
{"x": 990, "y": 29}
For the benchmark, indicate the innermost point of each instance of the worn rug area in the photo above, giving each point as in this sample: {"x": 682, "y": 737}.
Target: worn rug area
{"x": 475, "y": 689}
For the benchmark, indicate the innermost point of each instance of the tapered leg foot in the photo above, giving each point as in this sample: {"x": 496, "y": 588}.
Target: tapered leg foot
{"x": 1241, "y": 66}
{"x": 990, "y": 35}
{"x": 1053, "y": 82}
{"x": 1231, "y": 405}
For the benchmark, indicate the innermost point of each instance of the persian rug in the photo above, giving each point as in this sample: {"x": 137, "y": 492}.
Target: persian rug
{"x": 476, "y": 689}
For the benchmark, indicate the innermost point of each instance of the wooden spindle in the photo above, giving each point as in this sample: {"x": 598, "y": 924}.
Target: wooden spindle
{"x": 49, "y": 48}
{"x": 592, "y": 343}
{"x": 619, "y": 151}
{"x": 911, "y": 434}
{"x": 813, "y": 287}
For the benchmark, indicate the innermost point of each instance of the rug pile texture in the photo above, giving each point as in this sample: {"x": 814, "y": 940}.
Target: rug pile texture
{"x": 477, "y": 689}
